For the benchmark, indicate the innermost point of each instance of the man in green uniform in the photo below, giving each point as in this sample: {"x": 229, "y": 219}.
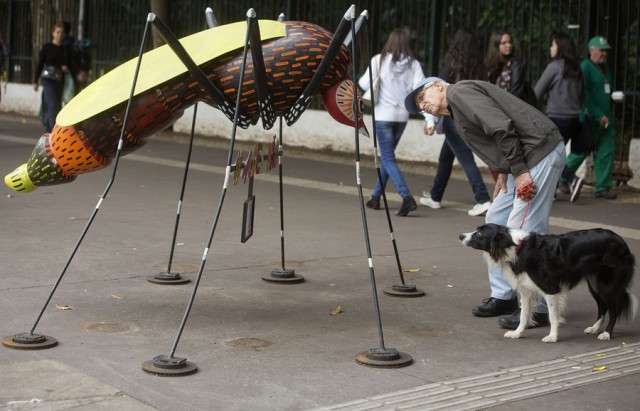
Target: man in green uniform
{"x": 598, "y": 84}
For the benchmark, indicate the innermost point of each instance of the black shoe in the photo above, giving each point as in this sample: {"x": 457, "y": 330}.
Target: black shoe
{"x": 408, "y": 204}
{"x": 606, "y": 194}
{"x": 512, "y": 321}
{"x": 374, "y": 203}
{"x": 493, "y": 307}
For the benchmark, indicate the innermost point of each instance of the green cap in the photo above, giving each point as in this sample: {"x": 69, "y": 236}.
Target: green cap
{"x": 599, "y": 42}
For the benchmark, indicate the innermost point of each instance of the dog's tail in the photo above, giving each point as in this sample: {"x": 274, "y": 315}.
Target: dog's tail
{"x": 628, "y": 306}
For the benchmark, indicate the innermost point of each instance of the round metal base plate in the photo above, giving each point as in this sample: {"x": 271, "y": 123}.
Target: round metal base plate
{"x": 168, "y": 279}
{"x": 379, "y": 358}
{"x": 27, "y": 341}
{"x": 281, "y": 276}
{"x": 406, "y": 291}
{"x": 164, "y": 366}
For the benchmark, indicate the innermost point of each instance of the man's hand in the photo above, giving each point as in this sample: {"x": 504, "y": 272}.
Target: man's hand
{"x": 525, "y": 187}
{"x": 429, "y": 129}
{"x": 604, "y": 122}
{"x": 501, "y": 185}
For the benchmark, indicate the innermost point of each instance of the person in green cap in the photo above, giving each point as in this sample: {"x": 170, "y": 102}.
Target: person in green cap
{"x": 598, "y": 84}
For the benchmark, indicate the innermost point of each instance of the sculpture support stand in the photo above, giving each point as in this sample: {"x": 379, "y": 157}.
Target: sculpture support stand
{"x": 169, "y": 365}
{"x": 169, "y": 278}
{"x": 282, "y": 275}
{"x": 381, "y": 357}
{"x": 403, "y": 289}
{"x": 37, "y": 341}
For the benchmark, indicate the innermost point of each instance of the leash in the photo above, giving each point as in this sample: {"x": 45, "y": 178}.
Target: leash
{"x": 525, "y": 192}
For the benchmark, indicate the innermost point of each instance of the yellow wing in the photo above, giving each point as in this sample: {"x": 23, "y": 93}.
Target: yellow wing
{"x": 158, "y": 66}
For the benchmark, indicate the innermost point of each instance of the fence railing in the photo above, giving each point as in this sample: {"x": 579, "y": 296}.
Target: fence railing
{"x": 114, "y": 28}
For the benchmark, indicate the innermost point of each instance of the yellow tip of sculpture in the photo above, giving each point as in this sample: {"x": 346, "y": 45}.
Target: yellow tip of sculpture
{"x": 19, "y": 180}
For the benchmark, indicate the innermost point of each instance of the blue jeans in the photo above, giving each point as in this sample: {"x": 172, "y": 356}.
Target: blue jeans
{"x": 388, "y": 134}
{"x": 455, "y": 147}
{"x": 51, "y": 102}
{"x": 509, "y": 210}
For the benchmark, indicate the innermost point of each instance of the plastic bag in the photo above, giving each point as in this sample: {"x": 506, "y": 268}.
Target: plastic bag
{"x": 68, "y": 90}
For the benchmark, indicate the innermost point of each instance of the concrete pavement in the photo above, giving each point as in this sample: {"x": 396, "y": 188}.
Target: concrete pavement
{"x": 259, "y": 345}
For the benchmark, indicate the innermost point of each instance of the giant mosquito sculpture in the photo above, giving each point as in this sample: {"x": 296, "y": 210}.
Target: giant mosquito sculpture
{"x": 290, "y": 62}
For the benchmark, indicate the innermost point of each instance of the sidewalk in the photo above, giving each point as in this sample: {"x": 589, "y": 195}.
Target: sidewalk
{"x": 259, "y": 345}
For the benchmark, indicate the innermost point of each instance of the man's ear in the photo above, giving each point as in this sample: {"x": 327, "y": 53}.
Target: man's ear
{"x": 438, "y": 85}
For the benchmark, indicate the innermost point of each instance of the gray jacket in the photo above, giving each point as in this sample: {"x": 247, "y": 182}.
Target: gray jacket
{"x": 564, "y": 94}
{"x": 505, "y": 132}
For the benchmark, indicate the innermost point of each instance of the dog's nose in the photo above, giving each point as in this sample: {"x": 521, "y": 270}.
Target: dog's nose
{"x": 461, "y": 237}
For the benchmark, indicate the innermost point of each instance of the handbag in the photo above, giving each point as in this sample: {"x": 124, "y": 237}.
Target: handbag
{"x": 52, "y": 73}
{"x": 582, "y": 142}
{"x": 367, "y": 98}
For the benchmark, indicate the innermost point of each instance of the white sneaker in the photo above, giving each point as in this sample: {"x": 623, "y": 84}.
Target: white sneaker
{"x": 478, "y": 209}
{"x": 427, "y": 201}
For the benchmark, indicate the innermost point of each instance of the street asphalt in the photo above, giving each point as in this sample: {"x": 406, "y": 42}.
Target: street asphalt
{"x": 272, "y": 346}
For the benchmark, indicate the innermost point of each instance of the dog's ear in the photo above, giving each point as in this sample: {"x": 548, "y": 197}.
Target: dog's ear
{"x": 500, "y": 241}
{"x": 496, "y": 250}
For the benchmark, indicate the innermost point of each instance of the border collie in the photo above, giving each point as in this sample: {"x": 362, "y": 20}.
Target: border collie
{"x": 550, "y": 265}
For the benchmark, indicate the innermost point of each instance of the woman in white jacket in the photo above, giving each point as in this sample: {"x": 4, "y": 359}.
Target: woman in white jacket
{"x": 399, "y": 73}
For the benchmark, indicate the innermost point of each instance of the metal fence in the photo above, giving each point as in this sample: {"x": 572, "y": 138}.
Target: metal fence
{"x": 115, "y": 29}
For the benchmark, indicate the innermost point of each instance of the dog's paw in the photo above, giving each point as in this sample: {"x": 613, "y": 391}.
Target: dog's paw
{"x": 604, "y": 336}
{"x": 550, "y": 339}
{"x": 591, "y": 330}
{"x": 512, "y": 334}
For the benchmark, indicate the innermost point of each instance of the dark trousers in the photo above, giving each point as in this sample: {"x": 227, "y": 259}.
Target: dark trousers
{"x": 455, "y": 147}
{"x": 51, "y": 102}
{"x": 569, "y": 128}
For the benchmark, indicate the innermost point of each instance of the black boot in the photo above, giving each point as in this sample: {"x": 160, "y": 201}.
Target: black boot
{"x": 408, "y": 204}
{"x": 374, "y": 203}
{"x": 493, "y": 307}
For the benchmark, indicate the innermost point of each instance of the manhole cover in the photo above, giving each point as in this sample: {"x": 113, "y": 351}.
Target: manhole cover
{"x": 110, "y": 328}
{"x": 252, "y": 343}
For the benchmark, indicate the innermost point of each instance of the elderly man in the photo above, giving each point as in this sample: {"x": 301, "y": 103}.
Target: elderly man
{"x": 522, "y": 145}
{"x": 598, "y": 84}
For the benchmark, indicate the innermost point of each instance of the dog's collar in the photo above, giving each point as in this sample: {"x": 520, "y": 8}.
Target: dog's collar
{"x": 518, "y": 247}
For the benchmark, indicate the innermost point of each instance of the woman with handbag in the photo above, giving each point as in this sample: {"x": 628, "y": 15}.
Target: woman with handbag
{"x": 561, "y": 82}
{"x": 50, "y": 72}
{"x": 396, "y": 73}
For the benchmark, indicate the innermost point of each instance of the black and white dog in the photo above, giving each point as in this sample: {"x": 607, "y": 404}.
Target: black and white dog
{"x": 550, "y": 265}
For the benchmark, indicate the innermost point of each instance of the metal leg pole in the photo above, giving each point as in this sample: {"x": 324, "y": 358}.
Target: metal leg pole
{"x": 169, "y": 365}
{"x": 402, "y": 289}
{"x": 169, "y": 278}
{"x": 376, "y": 357}
{"x": 282, "y": 275}
{"x": 30, "y": 340}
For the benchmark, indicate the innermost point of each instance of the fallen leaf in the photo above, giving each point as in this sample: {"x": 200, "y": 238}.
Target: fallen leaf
{"x": 412, "y": 270}
{"x": 601, "y": 355}
{"x": 336, "y": 311}
{"x": 116, "y": 297}
{"x": 64, "y": 307}
{"x": 601, "y": 368}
